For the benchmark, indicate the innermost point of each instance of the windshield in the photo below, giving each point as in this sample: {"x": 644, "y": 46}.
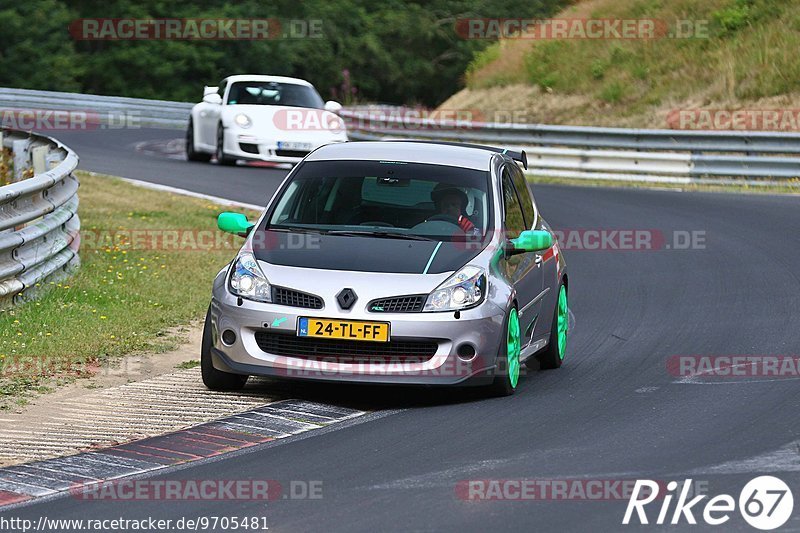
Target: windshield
{"x": 386, "y": 199}
{"x": 274, "y": 93}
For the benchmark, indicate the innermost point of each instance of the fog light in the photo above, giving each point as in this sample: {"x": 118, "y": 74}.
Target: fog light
{"x": 466, "y": 352}
{"x": 228, "y": 337}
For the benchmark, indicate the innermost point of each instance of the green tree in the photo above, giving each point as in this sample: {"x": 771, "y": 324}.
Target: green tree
{"x": 35, "y": 49}
{"x": 396, "y": 51}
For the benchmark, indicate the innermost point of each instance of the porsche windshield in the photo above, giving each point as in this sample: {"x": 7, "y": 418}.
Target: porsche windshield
{"x": 385, "y": 199}
{"x": 274, "y": 93}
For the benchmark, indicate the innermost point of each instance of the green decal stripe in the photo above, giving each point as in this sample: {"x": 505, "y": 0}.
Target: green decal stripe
{"x": 432, "y": 256}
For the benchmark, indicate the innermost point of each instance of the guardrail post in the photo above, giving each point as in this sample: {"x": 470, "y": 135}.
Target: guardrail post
{"x": 21, "y": 159}
{"x": 39, "y": 159}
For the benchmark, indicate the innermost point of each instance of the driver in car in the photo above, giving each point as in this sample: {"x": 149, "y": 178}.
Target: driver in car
{"x": 452, "y": 202}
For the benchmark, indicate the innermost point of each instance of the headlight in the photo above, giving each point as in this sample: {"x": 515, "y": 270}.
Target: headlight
{"x": 242, "y": 120}
{"x": 463, "y": 289}
{"x": 248, "y": 281}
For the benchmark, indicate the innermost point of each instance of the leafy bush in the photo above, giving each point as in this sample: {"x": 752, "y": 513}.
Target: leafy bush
{"x": 733, "y": 17}
{"x": 612, "y": 92}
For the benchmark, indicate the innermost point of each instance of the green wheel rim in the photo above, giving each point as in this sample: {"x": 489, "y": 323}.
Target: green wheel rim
{"x": 563, "y": 321}
{"x": 512, "y": 348}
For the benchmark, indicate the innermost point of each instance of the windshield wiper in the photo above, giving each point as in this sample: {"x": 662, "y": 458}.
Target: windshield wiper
{"x": 296, "y": 229}
{"x": 380, "y": 234}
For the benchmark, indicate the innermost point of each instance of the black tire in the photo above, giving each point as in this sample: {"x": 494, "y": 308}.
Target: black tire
{"x": 212, "y": 378}
{"x": 550, "y": 358}
{"x": 191, "y": 153}
{"x": 502, "y": 386}
{"x": 222, "y": 159}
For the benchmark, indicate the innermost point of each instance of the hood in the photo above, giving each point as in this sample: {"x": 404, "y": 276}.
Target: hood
{"x": 362, "y": 254}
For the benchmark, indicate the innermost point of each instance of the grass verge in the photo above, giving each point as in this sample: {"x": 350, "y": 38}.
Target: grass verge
{"x": 716, "y": 54}
{"x": 148, "y": 261}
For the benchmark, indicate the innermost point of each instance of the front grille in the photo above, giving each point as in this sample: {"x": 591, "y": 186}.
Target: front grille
{"x": 293, "y": 298}
{"x": 250, "y": 148}
{"x": 399, "y": 304}
{"x": 344, "y": 351}
{"x": 291, "y": 153}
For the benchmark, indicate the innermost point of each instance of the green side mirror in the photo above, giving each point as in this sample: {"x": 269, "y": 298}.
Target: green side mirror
{"x": 534, "y": 240}
{"x": 235, "y": 223}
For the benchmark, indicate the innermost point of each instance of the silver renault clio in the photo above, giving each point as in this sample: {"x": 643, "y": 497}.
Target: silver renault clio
{"x": 396, "y": 262}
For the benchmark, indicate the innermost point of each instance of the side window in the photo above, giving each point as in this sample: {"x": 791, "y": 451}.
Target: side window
{"x": 524, "y": 196}
{"x": 514, "y": 219}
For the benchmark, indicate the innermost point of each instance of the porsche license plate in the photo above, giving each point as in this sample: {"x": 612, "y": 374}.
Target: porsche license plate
{"x": 294, "y": 146}
{"x": 343, "y": 329}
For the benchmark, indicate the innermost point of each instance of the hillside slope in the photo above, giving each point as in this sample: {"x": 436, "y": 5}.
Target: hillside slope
{"x": 739, "y": 54}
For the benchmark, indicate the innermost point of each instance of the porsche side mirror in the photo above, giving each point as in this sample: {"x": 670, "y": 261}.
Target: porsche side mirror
{"x": 333, "y": 107}
{"x": 212, "y": 98}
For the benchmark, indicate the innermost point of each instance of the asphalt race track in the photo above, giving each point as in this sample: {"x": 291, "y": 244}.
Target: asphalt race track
{"x": 613, "y": 412}
{"x": 110, "y": 151}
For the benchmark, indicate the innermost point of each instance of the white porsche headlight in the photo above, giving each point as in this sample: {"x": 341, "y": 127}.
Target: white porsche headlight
{"x": 248, "y": 281}
{"x": 242, "y": 120}
{"x": 466, "y": 288}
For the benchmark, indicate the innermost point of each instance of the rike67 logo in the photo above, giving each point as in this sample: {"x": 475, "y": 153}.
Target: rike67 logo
{"x": 765, "y": 503}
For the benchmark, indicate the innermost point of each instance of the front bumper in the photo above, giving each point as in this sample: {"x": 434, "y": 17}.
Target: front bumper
{"x": 246, "y": 146}
{"x": 480, "y": 328}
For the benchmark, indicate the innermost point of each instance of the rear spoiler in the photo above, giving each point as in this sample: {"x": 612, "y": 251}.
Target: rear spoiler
{"x": 520, "y": 157}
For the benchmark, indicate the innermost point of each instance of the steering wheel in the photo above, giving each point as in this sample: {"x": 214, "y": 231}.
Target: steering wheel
{"x": 377, "y": 223}
{"x": 441, "y": 217}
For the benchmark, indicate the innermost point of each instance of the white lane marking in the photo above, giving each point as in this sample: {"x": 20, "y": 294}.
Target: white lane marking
{"x": 784, "y": 459}
{"x": 185, "y": 192}
{"x": 296, "y": 412}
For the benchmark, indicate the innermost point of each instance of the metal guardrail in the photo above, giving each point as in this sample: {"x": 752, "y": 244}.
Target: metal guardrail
{"x": 572, "y": 152}
{"x": 577, "y": 152}
{"x": 39, "y": 224}
{"x": 113, "y": 111}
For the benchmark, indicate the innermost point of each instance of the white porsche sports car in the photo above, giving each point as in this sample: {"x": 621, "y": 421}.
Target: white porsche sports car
{"x": 263, "y": 118}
